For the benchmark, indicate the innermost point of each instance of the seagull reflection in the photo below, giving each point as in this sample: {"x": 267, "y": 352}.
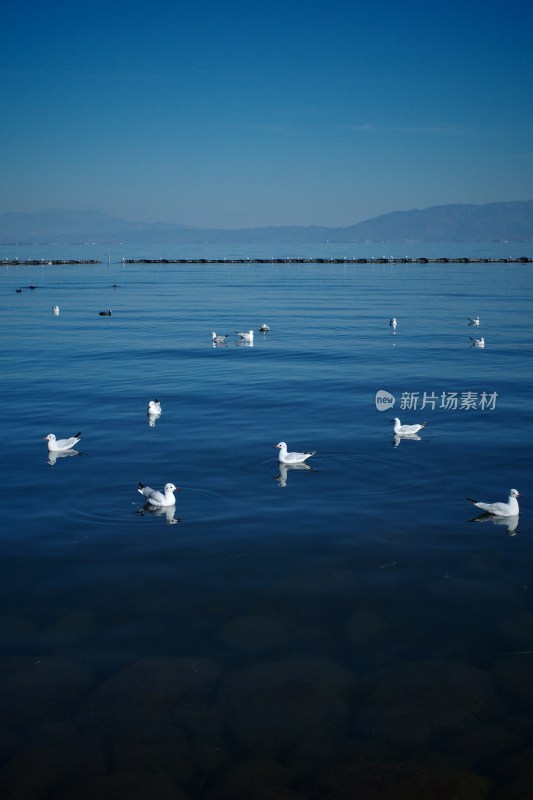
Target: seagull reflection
{"x": 152, "y": 419}
{"x": 163, "y": 511}
{"x": 414, "y": 437}
{"x": 284, "y": 468}
{"x": 54, "y": 455}
{"x": 510, "y": 522}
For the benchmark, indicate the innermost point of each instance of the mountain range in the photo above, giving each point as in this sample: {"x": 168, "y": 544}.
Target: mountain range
{"x": 508, "y": 221}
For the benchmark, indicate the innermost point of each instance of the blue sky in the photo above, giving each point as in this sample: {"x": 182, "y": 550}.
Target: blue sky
{"x": 240, "y": 114}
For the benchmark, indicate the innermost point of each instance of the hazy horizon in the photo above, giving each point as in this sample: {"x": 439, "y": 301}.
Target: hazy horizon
{"x": 236, "y": 115}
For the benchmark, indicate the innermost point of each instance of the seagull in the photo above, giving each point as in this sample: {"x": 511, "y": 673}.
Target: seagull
{"x": 55, "y": 310}
{"x": 264, "y": 328}
{"x": 393, "y": 322}
{"x": 478, "y": 342}
{"x": 60, "y": 445}
{"x": 154, "y": 407}
{"x": 508, "y": 509}
{"x": 105, "y": 313}
{"x": 292, "y": 458}
{"x": 247, "y": 337}
{"x": 218, "y": 339}
{"x": 158, "y": 499}
{"x": 406, "y": 430}
{"x": 474, "y": 321}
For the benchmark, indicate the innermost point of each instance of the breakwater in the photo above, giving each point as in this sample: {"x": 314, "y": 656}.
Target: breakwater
{"x": 348, "y": 260}
{"x": 42, "y": 262}
{"x": 20, "y": 262}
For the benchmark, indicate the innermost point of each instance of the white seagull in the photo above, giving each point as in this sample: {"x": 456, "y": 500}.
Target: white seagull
{"x": 508, "y": 509}
{"x": 159, "y": 499}
{"x": 292, "y": 458}
{"x": 474, "y": 321}
{"x": 478, "y": 342}
{"x": 55, "y": 310}
{"x": 219, "y": 339}
{"x": 393, "y": 322}
{"x": 264, "y": 328}
{"x": 406, "y": 430}
{"x": 247, "y": 337}
{"x": 154, "y": 407}
{"x": 60, "y": 445}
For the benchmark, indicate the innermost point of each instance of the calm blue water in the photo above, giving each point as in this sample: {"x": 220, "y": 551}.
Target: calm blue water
{"x": 290, "y": 635}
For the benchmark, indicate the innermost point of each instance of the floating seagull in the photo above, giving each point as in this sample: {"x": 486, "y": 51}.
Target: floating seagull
{"x": 159, "y": 499}
{"x": 219, "y": 339}
{"x": 508, "y": 509}
{"x": 264, "y": 328}
{"x": 105, "y": 313}
{"x": 60, "y": 445}
{"x": 393, "y": 322}
{"x": 292, "y": 458}
{"x": 154, "y": 407}
{"x": 247, "y": 337}
{"x": 478, "y": 342}
{"x": 55, "y": 310}
{"x": 406, "y": 430}
{"x": 18, "y": 291}
{"x": 474, "y": 321}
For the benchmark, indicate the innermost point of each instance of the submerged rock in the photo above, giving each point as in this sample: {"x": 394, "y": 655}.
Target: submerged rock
{"x": 273, "y": 706}
{"x": 415, "y": 700}
{"x": 254, "y": 633}
{"x": 140, "y": 701}
{"x": 399, "y": 781}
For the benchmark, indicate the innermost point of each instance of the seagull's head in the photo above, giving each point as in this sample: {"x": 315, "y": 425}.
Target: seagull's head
{"x": 169, "y": 487}
{"x": 51, "y": 437}
{"x": 281, "y": 445}
{"x": 395, "y": 420}
{"x": 514, "y": 493}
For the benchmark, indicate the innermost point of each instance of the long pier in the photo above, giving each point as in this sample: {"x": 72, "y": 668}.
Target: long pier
{"x": 348, "y": 260}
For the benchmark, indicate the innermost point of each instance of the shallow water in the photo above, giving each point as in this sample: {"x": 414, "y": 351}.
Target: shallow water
{"x": 329, "y": 632}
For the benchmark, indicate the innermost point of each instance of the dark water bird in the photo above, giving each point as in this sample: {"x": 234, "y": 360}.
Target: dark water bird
{"x": 105, "y": 313}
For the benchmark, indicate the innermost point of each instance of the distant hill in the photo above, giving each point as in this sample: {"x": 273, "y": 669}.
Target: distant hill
{"x": 511, "y": 221}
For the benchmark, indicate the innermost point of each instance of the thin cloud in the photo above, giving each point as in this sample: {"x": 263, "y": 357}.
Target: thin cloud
{"x": 437, "y": 129}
